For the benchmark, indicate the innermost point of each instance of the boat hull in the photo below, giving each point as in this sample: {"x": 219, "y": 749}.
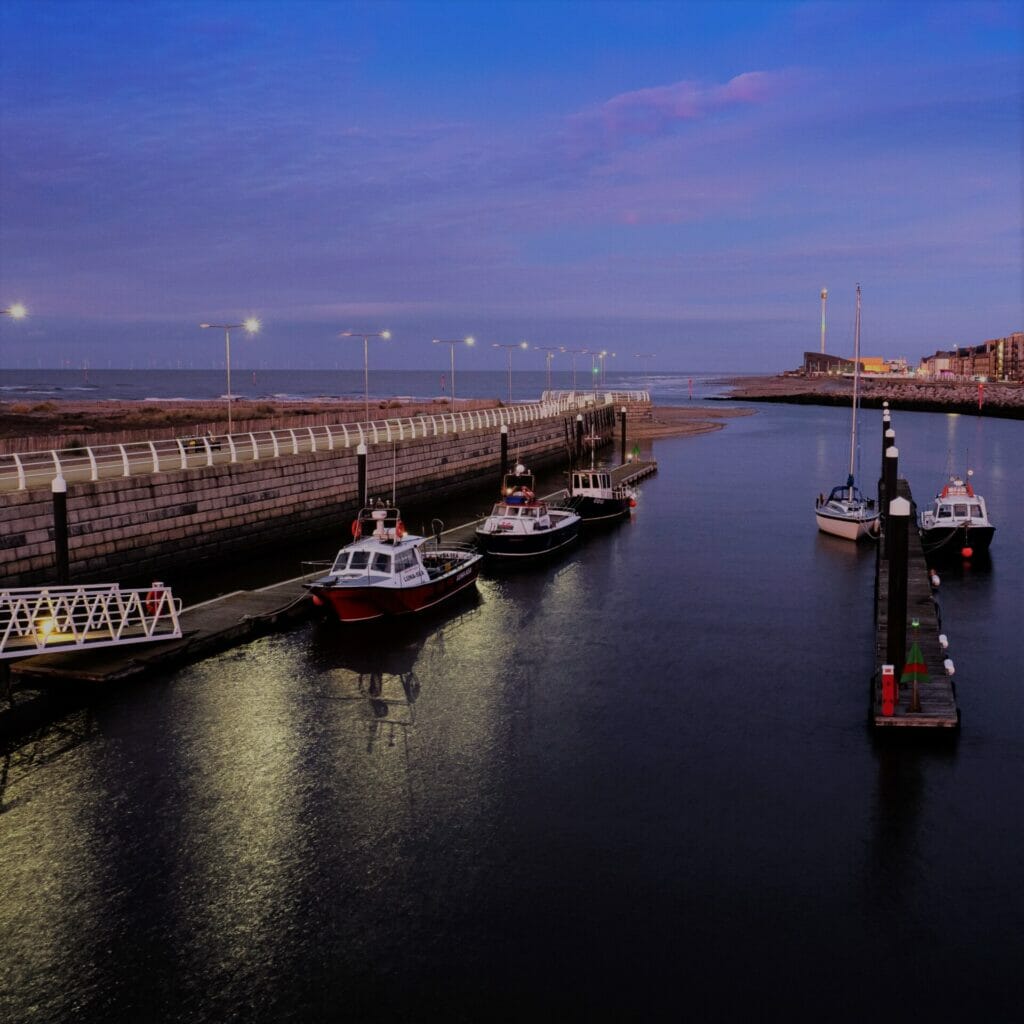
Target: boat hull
{"x": 599, "y": 511}
{"x": 521, "y": 546}
{"x": 352, "y": 603}
{"x": 939, "y": 541}
{"x": 849, "y": 528}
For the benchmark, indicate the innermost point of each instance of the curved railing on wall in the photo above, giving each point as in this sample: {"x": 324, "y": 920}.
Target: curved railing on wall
{"x": 27, "y": 470}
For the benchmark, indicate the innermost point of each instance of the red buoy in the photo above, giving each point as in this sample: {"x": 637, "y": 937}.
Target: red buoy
{"x": 317, "y": 600}
{"x": 967, "y": 552}
{"x": 632, "y": 502}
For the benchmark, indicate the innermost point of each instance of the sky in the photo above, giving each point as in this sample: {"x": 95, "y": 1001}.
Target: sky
{"x": 670, "y": 180}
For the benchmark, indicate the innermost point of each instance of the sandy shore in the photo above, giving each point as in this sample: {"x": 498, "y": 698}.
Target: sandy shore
{"x": 62, "y": 424}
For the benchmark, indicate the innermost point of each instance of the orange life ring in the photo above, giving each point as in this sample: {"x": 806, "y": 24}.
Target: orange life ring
{"x": 357, "y": 529}
{"x": 153, "y": 600}
{"x": 399, "y": 529}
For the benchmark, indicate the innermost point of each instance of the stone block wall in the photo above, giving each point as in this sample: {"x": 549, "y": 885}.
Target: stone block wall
{"x": 141, "y": 525}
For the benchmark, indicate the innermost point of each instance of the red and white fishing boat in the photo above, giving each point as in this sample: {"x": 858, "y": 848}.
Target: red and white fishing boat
{"x": 386, "y": 571}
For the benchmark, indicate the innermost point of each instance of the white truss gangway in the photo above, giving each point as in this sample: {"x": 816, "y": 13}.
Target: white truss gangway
{"x": 36, "y": 620}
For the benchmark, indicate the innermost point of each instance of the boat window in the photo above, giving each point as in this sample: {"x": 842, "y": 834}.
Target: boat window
{"x": 960, "y": 510}
{"x": 404, "y": 560}
{"x": 577, "y": 480}
{"x": 945, "y": 512}
{"x": 360, "y": 559}
{"x": 606, "y": 480}
{"x": 976, "y": 511}
{"x": 382, "y": 562}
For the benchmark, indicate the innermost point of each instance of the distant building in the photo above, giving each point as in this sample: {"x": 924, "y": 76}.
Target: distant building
{"x": 996, "y": 359}
{"x": 816, "y": 363}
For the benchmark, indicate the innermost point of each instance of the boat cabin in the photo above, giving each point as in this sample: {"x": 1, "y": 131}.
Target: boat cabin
{"x": 520, "y": 516}
{"x": 956, "y": 503}
{"x": 591, "y": 481}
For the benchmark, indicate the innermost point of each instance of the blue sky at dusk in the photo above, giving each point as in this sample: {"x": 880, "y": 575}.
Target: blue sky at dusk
{"x": 671, "y": 178}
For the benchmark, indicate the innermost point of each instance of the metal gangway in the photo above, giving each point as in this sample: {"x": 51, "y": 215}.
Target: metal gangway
{"x": 35, "y": 620}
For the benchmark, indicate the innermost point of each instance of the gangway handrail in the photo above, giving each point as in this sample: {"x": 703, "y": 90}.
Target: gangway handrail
{"x": 35, "y": 620}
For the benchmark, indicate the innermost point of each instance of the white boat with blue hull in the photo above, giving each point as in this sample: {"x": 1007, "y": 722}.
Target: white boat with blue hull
{"x": 521, "y": 526}
{"x": 846, "y": 512}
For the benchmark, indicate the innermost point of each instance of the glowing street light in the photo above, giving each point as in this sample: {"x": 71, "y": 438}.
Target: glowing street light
{"x": 453, "y": 342}
{"x": 366, "y": 361}
{"x": 252, "y": 325}
{"x": 16, "y": 312}
{"x": 509, "y": 348}
{"x": 550, "y": 350}
{"x": 642, "y": 356}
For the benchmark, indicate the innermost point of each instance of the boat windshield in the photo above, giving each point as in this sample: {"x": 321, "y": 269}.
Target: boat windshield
{"x": 357, "y": 560}
{"x": 382, "y": 563}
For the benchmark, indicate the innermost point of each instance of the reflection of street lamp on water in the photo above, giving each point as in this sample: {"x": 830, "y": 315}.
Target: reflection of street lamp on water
{"x": 509, "y": 348}
{"x": 453, "y": 342}
{"x": 366, "y": 362}
{"x": 252, "y": 325}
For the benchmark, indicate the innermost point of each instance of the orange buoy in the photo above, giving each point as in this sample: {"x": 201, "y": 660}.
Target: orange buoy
{"x": 357, "y": 529}
{"x": 399, "y": 529}
{"x": 317, "y": 600}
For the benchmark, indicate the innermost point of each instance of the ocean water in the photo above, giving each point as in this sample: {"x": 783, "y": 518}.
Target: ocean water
{"x": 636, "y": 782}
{"x": 295, "y": 385}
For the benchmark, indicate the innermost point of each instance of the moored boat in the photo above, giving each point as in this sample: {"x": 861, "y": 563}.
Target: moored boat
{"x": 522, "y": 526}
{"x": 595, "y": 500}
{"x": 957, "y": 523}
{"x": 846, "y": 512}
{"x": 386, "y": 571}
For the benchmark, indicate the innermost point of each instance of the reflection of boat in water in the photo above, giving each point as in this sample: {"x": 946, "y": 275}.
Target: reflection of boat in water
{"x": 386, "y": 571}
{"x": 522, "y": 526}
{"x": 846, "y": 512}
{"x": 957, "y": 523}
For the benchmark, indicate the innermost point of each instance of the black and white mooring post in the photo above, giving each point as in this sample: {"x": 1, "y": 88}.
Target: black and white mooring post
{"x": 890, "y": 468}
{"x": 579, "y": 438}
{"x": 622, "y": 423}
{"x": 896, "y": 531}
{"x": 888, "y": 441}
{"x": 361, "y": 457}
{"x": 59, "y": 488}
{"x": 504, "y": 457}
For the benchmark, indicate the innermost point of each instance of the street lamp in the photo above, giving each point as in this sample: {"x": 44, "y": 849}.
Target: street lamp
{"x": 574, "y": 352}
{"x": 366, "y": 361}
{"x": 252, "y": 325}
{"x": 550, "y": 350}
{"x": 16, "y": 312}
{"x": 604, "y": 367}
{"x": 453, "y": 342}
{"x": 509, "y": 348}
{"x": 642, "y": 356}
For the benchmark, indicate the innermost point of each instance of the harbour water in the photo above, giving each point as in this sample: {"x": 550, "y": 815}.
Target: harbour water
{"x": 639, "y": 781}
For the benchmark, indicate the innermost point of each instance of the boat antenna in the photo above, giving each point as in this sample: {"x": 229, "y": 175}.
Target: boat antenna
{"x": 394, "y": 470}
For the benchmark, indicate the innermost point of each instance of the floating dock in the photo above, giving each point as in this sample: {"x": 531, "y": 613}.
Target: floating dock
{"x": 936, "y": 697}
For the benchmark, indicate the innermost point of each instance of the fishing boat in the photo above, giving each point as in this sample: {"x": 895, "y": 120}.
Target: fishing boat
{"x": 957, "y": 523}
{"x": 846, "y": 512}
{"x": 595, "y": 500}
{"x": 386, "y": 571}
{"x": 522, "y": 526}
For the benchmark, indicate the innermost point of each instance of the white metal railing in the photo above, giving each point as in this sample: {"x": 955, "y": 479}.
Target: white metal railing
{"x": 26, "y": 470}
{"x": 34, "y": 620}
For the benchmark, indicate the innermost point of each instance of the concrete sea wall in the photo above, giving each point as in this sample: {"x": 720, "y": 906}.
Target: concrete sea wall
{"x": 138, "y": 526}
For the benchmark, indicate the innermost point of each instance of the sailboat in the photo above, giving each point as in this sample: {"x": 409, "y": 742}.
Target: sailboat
{"x": 846, "y": 512}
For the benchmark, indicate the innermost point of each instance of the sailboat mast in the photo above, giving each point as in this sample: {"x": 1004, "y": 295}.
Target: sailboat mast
{"x": 856, "y": 388}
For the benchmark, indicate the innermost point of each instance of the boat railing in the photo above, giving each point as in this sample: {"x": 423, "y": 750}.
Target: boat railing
{"x": 25, "y": 470}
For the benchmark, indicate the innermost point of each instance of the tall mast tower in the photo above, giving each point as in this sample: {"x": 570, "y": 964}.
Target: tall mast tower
{"x": 824, "y": 296}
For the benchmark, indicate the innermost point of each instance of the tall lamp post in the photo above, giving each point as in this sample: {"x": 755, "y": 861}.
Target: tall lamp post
{"x": 16, "y": 311}
{"x": 573, "y": 353}
{"x": 604, "y": 366}
{"x": 252, "y": 325}
{"x": 550, "y": 350}
{"x": 642, "y": 356}
{"x": 509, "y": 348}
{"x": 469, "y": 342}
{"x": 824, "y": 296}
{"x": 366, "y": 362}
